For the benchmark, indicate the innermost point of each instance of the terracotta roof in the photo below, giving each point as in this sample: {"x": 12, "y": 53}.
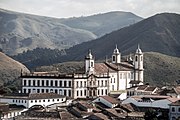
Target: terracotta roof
{"x": 136, "y": 114}
{"x": 65, "y": 115}
{"x": 86, "y": 104}
{"x": 110, "y": 99}
{"x": 123, "y": 66}
{"x": 101, "y": 68}
{"x": 173, "y": 99}
{"x": 44, "y": 96}
{"x": 101, "y": 116}
{"x": 177, "y": 103}
{"x": 177, "y": 89}
{"x": 114, "y": 112}
{"x": 142, "y": 87}
{"x": 149, "y": 88}
{"x": 129, "y": 107}
{"x": 134, "y": 82}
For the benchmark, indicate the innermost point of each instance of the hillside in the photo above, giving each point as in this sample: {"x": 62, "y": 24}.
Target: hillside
{"x": 102, "y": 24}
{"x": 159, "y": 33}
{"x": 10, "y": 70}
{"x": 159, "y": 70}
{"x": 21, "y": 32}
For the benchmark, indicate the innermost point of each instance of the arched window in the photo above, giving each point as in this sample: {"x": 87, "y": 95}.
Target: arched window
{"x": 113, "y": 58}
{"x": 173, "y": 109}
{"x": 136, "y": 58}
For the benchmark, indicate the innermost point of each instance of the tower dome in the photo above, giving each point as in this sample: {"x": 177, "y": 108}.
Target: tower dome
{"x": 116, "y": 51}
{"x": 138, "y": 50}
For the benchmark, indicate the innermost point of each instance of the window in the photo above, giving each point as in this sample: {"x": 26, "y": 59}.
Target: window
{"x": 47, "y": 90}
{"x": 102, "y": 92}
{"x": 92, "y": 64}
{"x": 173, "y": 109}
{"x": 38, "y": 83}
{"x": 24, "y": 82}
{"x": 102, "y": 83}
{"x": 81, "y": 84}
{"x": 81, "y": 93}
{"x": 84, "y": 83}
{"x": 51, "y": 82}
{"x": 98, "y": 82}
{"x": 34, "y": 83}
{"x": 106, "y": 92}
{"x": 47, "y": 82}
{"x": 56, "y": 91}
{"x": 29, "y": 90}
{"x": 38, "y": 91}
{"x": 56, "y": 83}
{"x": 43, "y": 100}
{"x": 42, "y": 90}
{"x": 57, "y": 99}
{"x": 84, "y": 92}
{"x": 12, "y": 100}
{"x": 113, "y": 87}
{"x": 60, "y": 92}
{"x": 105, "y": 82}
{"x": 24, "y": 90}
{"x": 31, "y": 101}
{"x": 51, "y": 90}
{"x": 35, "y": 100}
{"x": 77, "y": 84}
{"x": 77, "y": 93}
{"x": 60, "y": 83}
{"x": 65, "y": 92}
{"x": 48, "y": 100}
{"x": 69, "y": 83}
{"x": 53, "y": 100}
{"x": 113, "y": 58}
{"x": 42, "y": 82}
{"x": 64, "y": 83}
{"x": 98, "y": 92}
{"x": 136, "y": 58}
{"x": 39, "y": 100}
{"x": 69, "y": 93}
{"x": 178, "y": 109}
{"x": 29, "y": 82}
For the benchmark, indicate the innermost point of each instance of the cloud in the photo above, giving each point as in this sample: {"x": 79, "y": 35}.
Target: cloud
{"x": 69, "y": 8}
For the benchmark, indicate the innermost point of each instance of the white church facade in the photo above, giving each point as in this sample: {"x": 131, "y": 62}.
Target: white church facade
{"x": 98, "y": 79}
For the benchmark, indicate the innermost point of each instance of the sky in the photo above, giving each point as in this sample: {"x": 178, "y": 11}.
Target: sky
{"x": 77, "y": 8}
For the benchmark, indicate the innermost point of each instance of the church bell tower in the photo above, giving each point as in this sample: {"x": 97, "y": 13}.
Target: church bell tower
{"x": 116, "y": 56}
{"x": 89, "y": 63}
{"x": 138, "y": 65}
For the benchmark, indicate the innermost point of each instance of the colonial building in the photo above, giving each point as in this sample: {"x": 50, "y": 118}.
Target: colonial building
{"x": 98, "y": 79}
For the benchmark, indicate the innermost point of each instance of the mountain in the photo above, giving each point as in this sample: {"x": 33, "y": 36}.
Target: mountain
{"x": 159, "y": 69}
{"x": 102, "y": 24}
{"x": 159, "y": 33}
{"x": 10, "y": 70}
{"x": 20, "y": 32}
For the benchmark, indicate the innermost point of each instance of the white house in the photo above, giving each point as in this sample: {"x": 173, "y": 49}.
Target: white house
{"x": 98, "y": 79}
{"x": 108, "y": 101}
{"x": 151, "y": 101}
{"x": 9, "y": 113}
{"x": 174, "y": 110}
{"x": 28, "y": 101}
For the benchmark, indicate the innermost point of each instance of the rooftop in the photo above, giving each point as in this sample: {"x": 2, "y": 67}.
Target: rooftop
{"x": 110, "y": 99}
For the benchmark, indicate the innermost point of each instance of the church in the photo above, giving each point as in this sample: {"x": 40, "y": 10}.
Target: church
{"x": 98, "y": 79}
